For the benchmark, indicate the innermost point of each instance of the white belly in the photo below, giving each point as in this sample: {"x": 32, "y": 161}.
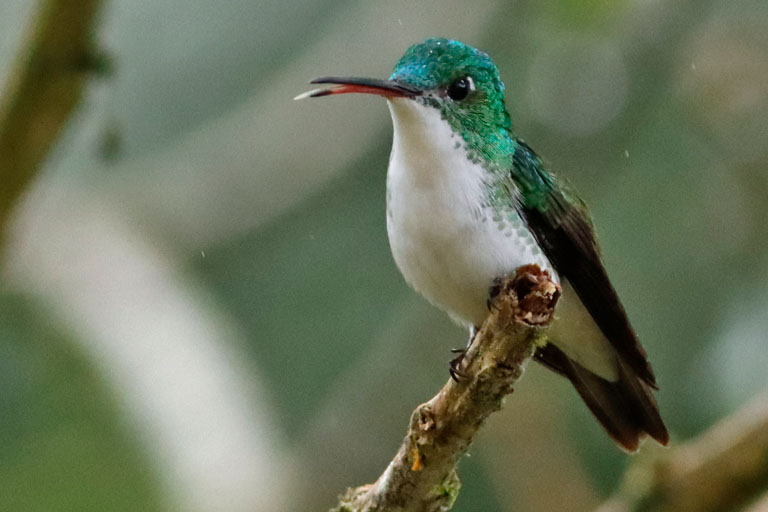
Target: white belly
{"x": 446, "y": 244}
{"x": 449, "y": 247}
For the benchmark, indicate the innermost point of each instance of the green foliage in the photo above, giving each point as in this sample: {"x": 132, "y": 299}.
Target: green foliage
{"x": 63, "y": 444}
{"x": 286, "y": 243}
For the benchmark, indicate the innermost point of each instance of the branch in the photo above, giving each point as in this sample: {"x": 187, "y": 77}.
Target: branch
{"x": 722, "y": 469}
{"x": 45, "y": 86}
{"x": 422, "y": 476}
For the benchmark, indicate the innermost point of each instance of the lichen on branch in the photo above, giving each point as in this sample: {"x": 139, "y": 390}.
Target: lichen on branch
{"x": 422, "y": 476}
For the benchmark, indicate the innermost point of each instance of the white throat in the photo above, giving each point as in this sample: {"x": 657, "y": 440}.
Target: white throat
{"x": 450, "y": 247}
{"x": 445, "y": 242}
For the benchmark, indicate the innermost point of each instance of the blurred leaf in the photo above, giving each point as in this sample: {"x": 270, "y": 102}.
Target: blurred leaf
{"x": 312, "y": 288}
{"x": 62, "y": 443}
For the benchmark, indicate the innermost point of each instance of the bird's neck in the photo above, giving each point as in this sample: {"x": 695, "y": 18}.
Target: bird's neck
{"x": 430, "y": 161}
{"x": 489, "y": 146}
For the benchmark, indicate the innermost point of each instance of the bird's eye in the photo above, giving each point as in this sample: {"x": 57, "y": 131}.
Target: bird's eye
{"x": 460, "y": 88}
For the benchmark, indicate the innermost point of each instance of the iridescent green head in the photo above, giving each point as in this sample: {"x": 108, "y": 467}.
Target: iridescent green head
{"x": 460, "y": 81}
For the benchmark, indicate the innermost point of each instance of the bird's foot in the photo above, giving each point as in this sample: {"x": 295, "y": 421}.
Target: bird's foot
{"x": 494, "y": 291}
{"x": 454, "y": 367}
{"x": 455, "y": 364}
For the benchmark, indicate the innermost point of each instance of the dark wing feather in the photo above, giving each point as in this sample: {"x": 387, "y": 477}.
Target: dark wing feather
{"x": 563, "y": 230}
{"x": 625, "y": 408}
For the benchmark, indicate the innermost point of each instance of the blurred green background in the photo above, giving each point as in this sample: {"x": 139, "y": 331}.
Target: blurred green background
{"x": 199, "y": 310}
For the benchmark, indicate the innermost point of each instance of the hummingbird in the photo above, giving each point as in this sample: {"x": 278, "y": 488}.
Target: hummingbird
{"x": 468, "y": 202}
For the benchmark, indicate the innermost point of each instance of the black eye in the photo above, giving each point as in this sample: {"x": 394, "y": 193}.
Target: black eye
{"x": 460, "y": 88}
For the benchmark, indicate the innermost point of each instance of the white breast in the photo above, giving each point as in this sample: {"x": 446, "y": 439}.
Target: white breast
{"x": 450, "y": 248}
{"x": 446, "y": 244}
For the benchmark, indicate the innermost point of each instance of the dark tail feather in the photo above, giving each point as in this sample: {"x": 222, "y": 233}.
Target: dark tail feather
{"x": 625, "y": 408}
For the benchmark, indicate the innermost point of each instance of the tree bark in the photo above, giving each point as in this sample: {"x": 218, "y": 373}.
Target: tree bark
{"x": 422, "y": 477}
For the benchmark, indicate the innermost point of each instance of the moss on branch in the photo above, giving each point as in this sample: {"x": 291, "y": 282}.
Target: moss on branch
{"x": 422, "y": 477}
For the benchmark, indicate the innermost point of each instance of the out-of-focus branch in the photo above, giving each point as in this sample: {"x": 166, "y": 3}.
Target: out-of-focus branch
{"x": 723, "y": 469}
{"x": 759, "y": 505}
{"x": 44, "y": 87}
{"x": 422, "y": 476}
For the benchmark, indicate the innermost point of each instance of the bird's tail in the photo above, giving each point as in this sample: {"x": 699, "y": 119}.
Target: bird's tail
{"x": 625, "y": 408}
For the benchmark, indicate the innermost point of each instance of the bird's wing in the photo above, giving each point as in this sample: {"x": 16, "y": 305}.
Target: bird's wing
{"x": 625, "y": 408}
{"x": 562, "y": 227}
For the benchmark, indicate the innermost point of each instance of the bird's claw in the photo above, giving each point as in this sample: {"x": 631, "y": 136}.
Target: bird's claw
{"x": 493, "y": 291}
{"x": 455, "y": 364}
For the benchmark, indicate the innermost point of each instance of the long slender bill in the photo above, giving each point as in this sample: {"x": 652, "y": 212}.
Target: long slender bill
{"x": 345, "y": 85}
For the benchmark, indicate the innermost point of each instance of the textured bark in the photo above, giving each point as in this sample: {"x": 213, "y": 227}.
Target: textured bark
{"x": 422, "y": 477}
{"x": 44, "y": 87}
{"x": 726, "y": 468}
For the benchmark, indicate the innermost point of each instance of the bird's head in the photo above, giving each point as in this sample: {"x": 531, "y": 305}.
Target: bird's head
{"x": 460, "y": 81}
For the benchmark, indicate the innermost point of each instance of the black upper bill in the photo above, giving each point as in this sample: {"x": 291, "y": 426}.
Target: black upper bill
{"x": 344, "y": 85}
